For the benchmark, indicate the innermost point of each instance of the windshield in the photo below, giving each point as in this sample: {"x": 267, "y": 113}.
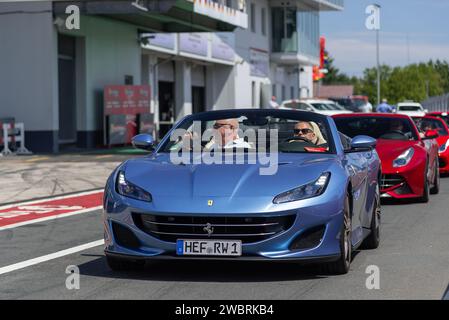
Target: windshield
{"x": 321, "y": 106}
{"x": 410, "y": 108}
{"x": 297, "y": 132}
{"x": 334, "y": 106}
{"x": 377, "y": 127}
{"x": 359, "y": 102}
{"x": 425, "y": 124}
{"x": 295, "y": 105}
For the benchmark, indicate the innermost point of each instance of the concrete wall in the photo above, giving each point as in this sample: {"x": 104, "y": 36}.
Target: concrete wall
{"x": 245, "y": 39}
{"x": 29, "y": 69}
{"x": 111, "y": 52}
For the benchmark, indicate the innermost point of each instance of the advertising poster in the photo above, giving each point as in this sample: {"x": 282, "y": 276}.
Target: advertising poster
{"x": 126, "y": 99}
{"x": 260, "y": 63}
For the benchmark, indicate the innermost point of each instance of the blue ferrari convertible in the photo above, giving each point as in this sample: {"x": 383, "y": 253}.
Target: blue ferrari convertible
{"x": 257, "y": 184}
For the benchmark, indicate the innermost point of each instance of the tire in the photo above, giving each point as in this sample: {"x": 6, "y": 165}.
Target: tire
{"x": 426, "y": 193}
{"x": 342, "y": 265}
{"x": 120, "y": 264}
{"x": 436, "y": 181}
{"x": 373, "y": 240}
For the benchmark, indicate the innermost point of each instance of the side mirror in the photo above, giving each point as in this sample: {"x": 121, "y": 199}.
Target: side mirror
{"x": 360, "y": 143}
{"x": 426, "y": 110}
{"x": 144, "y": 141}
{"x": 431, "y": 134}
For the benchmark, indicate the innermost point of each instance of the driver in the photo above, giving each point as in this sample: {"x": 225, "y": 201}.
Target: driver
{"x": 227, "y": 130}
{"x": 310, "y": 132}
{"x": 398, "y": 125}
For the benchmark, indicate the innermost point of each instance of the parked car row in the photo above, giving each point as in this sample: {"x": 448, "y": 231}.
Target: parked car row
{"x": 326, "y": 107}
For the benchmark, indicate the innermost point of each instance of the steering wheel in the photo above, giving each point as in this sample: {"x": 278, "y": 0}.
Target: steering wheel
{"x": 295, "y": 138}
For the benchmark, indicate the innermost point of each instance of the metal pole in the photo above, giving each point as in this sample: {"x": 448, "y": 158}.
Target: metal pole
{"x": 378, "y": 67}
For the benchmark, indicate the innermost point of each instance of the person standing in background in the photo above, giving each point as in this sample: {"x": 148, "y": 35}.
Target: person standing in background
{"x": 384, "y": 107}
{"x": 273, "y": 103}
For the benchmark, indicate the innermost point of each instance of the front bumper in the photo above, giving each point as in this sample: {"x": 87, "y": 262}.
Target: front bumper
{"x": 403, "y": 183}
{"x": 444, "y": 162}
{"x": 312, "y": 214}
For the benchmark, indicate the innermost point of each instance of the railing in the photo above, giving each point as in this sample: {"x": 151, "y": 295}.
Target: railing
{"x": 439, "y": 103}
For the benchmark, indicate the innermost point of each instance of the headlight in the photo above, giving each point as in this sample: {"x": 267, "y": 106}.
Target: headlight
{"x": 127, "y": 189}
{"x": 404, "y": 158}
{"x": 444, "y": 147}
{"x": 306, "y": 191}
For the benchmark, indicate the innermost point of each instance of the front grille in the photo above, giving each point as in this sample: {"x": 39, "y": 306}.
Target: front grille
{"x": 442, "y": 163}
{"x": 246, "y": 229}
{"x": 390, "y": 180}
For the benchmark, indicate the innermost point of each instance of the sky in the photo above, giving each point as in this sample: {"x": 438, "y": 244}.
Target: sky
{"x": 422, "y": 24}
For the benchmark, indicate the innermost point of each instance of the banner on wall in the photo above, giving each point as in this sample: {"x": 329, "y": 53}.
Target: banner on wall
{"x": 194, "y": 43}
{"x": 161, "y": 40}
{"x": 223, "y": 46}
{"x": 124, "y": 106}
{"x": 260, "y": 63}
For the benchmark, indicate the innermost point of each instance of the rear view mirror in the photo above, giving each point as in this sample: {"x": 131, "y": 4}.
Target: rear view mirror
{"x": 144, "y": 141}
{"x": 360, "y": 143}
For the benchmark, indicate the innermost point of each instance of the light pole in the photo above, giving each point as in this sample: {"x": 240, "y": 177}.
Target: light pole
{"x": 373, "y": 23}
{"x": 378, "y": 62}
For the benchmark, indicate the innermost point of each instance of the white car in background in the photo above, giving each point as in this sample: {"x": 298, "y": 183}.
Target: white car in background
{"x": 326, "y": 107}
{"x": 412, "y": 109}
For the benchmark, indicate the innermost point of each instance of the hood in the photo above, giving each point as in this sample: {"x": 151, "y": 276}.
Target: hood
{"x": 157, "y": 175}
{"x": 442, "y": 140}
{"x": 389, "y": 150}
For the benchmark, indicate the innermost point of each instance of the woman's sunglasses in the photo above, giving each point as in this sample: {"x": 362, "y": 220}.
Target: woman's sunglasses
{"x": 303, "y": 131}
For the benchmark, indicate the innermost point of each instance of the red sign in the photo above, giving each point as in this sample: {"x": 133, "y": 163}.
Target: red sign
{"x": 322, "y": 51}
{"x": 129, "y": 100}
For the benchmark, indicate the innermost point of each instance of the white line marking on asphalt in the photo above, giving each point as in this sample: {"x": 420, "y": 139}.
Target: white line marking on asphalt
{"x": 49, "y": 257}
{"x": 51, "y": 199}
{"x": 63, "y": 215}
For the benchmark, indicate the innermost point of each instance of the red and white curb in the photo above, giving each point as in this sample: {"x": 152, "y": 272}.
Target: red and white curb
{"x": 20, "y": 214}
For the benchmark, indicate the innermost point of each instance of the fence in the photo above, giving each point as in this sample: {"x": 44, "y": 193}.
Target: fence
{"x": 13, "y": 132}
{"x": 439, "y": 103}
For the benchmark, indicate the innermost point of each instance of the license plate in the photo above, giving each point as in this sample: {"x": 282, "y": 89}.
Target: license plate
{"x": 209, "y": 247}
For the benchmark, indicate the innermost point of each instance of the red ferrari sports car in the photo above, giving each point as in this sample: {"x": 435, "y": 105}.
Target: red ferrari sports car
{"x": 409, "y": 160}
{"x": 433, "y": 123}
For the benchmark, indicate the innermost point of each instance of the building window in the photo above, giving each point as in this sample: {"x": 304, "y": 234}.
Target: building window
{"x": 292, "y": 92}
{"x": 253, "y": 17}
{"x": 309, "y": 33}
{"x": 273, "y": 90}
{"x": 283, "y": 92}
{"x": 284, "y": 29}
{"x": 264, "y": 21}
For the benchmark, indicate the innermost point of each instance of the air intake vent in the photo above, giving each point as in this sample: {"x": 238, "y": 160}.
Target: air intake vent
{"x": 125, "y": 237}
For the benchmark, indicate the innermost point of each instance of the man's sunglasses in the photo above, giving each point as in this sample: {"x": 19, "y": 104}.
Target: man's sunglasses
{"x": 220, "y": 125}
{"x": 303, "y": 131}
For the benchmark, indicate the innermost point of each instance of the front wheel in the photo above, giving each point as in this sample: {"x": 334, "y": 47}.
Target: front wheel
{"x": 426, "y": 193}
{"x": 342, "y": 265}
{"x": 436, "y": 180}
{"x": 373, "y": 240}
